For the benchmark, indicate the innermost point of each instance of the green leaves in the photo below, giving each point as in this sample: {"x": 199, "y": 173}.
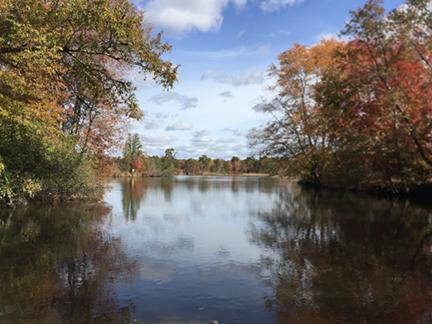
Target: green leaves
{"x": 64, "y": 90}
{"x": 83, "y": 50}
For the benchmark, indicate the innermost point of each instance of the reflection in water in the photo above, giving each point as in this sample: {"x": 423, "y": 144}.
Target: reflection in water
{"x": 133, "y": 192}
{"x": 57, "y": 266}
{"x": 226, "y": 249}
{"x": 345, "y": 260}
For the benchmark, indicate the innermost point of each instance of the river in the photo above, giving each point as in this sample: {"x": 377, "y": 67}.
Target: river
{"x": 217, "y": 250}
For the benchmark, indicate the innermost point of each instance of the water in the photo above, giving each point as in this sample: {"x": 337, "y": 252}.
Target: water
{"x": 217, "y": 250}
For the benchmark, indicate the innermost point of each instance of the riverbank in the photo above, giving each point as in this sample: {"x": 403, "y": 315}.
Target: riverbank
{"x": 418, "y": 193}
{"x": 205, "y": 174}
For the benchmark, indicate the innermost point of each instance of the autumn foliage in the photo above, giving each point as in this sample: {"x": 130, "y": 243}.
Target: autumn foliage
{"x": 357, "y": 113}
{"x": 137, "y": 165}
{"x": 64, "y": 94}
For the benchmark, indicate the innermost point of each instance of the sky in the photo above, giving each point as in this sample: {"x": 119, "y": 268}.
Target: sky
{"x": 224, "y": 49}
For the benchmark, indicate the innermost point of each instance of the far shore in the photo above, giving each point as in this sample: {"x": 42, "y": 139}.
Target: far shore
{"x": 205, "y": 174}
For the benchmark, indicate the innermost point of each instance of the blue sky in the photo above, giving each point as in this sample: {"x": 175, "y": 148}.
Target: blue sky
{"x": 224, "y": 48}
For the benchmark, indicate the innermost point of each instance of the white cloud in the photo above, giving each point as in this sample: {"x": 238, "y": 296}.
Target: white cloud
{"x": 181, "y": 16}
{"x": 179, "y": 126}
{"x": 242, "y": 79}
{"x": 219, "y": 147}
{"x": 241, "y": 33}
{"x": 330, "y": 35}
{"x": 229, "y": 53}
{"x": 234, "y": 131}
{"x": 201, "y": 139}
{"x": 226, "y": 94}
{"x": 161, "y": 116}
{"x": 228, "y": 140}
{"x": 184, "y": 101}
{"x": 157, "y": 139}
{"x": 275, "y": 5}
{"x": 152, "y": 124}
{"x": 327, "y": 36}
{"x": 240, "y": 3}
{"x": 278, "y": 33}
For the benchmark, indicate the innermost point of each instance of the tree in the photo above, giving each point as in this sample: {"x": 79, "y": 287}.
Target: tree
{"x": 251, "y": 165}
{"x": 132, "y": 153}
{"x": 169, "y": 163}
{"x": 377, "y": 101}
{"x": 236, "y": 165}
{"x": 218, "y": 166}
{"x": 82, "y": 49}
{"x": 192, "y": 167}
{"x": 294, "y": 130}
{"x": 137, "y": 165}
{"x": 63, "y": 85}
{"x": 205, "y": 163}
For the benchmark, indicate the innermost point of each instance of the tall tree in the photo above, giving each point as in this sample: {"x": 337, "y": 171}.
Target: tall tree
{"x": 205, "y": 163}
{"x": 377, "y": 100}
{"x": 64, "y": 89}
{"x": 294, "y": 131}
{"x": 132, "y": 153}
{"x": 82, "y": 51}
{"x": 169, "y": 163}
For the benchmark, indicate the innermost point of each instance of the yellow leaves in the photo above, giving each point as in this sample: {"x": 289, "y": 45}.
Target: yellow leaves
{"x": 309, "y": 60}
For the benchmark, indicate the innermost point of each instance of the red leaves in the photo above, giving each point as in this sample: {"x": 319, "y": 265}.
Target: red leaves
{"x": 137, "y": 165}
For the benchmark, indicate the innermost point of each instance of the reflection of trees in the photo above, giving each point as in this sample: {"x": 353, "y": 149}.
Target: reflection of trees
{"x": 167, "y": 185}
{"x": 57, "y": 265}
{"x": 235, "y": 184}
{"x": 347, "y": 260}
{"x": 133, "y": 191}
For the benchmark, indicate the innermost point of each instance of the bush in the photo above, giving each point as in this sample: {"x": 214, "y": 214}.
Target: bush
{"x": 38, "y": 167}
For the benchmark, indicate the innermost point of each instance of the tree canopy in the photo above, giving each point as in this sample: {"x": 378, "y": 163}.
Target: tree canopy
{"x": 357, "y": 113}
{"x": 64, "y": 69}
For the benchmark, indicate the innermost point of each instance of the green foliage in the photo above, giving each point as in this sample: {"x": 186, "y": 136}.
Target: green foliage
{"x": 132, "y": 151}
{"x": 169, "y": 163}
{"x": 192, "y": 167}
{"x": 205, "y": 163}
{"x": 64, "y": 95}
{"x": 37, "y": 167}
{"x": 13, "y": 186}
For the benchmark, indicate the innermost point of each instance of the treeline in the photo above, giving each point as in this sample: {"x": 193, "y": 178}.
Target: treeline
{"x": 134, "y": 162}
{"x": 357, "y": 113}
{"x": 64, "y": 97}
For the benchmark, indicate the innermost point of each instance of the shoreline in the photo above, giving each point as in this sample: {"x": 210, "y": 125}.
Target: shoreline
{"x": 418, "y": 194}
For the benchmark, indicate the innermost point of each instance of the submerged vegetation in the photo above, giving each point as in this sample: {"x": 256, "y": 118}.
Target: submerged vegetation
{"x": 356, "y": 113}
{"x": 64, "y": 96}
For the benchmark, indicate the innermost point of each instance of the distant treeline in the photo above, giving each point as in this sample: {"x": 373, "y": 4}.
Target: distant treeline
{"x": 134, "y": 162}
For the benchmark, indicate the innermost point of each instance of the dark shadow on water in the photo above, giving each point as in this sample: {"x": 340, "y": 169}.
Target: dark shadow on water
{"x": 58, "y": 266}
{"x": 340, "y": 258}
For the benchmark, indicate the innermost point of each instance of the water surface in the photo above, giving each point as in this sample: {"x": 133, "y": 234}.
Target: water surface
{"x": 217, "y": 249}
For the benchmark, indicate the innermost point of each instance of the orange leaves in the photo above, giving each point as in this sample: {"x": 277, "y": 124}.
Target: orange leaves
{"x": 301, "y": 66}
{"x": 367, "y": 100}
